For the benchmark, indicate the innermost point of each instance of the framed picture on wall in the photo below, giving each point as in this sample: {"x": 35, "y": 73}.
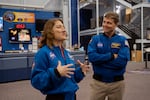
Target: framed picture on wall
{"x": 19, "y": 35}
{"x": 1, "y": 23}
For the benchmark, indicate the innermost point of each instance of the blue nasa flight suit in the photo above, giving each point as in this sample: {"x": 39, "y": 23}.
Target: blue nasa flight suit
{"x": 44, "y": 77}
{"x": 100, "y": 53}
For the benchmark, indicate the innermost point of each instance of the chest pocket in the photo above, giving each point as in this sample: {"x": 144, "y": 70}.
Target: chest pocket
{"x": 115, "y": 47}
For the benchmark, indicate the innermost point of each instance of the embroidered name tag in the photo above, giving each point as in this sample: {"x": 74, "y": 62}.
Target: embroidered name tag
{"x": 115, "y": 45}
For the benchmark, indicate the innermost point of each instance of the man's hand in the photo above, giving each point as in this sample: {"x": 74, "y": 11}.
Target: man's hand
{"x": 115, "y": 56}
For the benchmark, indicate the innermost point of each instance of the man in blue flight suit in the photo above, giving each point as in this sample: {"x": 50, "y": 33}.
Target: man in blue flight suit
{"x": 109, "y": 53}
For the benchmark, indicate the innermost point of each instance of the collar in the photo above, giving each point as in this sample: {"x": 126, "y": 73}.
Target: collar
{"x": 111, "y": 36}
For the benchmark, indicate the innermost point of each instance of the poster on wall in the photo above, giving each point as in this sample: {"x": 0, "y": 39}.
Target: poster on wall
{"x": 19, "y": 17}
{"x": 19, "y": 35}
{"x": 1, "y": 23}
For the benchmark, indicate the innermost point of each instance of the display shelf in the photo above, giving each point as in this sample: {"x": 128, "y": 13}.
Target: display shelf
{"x": 140, "y": 41}
{"x": 94, "y": 31}
{"x": 17, "y": 66}
{"x": 98, "y": 7}
{"x": 85, "y": 3}
{"x": 90, "y": 31}
{"x": 141, "y": 6}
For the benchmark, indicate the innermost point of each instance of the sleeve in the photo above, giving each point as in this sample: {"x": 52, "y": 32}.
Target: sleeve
{"x": 95, "y": 56}
{"x": 123, "y": 57}
{"x": 79, "y": 75}
{"x": 43, "y": 77}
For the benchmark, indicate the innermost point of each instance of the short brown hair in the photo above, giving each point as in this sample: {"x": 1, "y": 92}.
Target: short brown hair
{"x": 112, "y": 15}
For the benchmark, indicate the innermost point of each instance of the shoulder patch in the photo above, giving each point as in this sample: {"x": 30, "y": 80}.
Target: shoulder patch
{"x": 126, "y": 43}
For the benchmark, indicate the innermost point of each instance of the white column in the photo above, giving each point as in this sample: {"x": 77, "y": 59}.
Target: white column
{"x": 67, "y": 21}
{"x": 97, "y": 16}
{"x": 142, "y": 36}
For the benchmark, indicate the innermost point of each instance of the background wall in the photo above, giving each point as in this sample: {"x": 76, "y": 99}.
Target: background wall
{"x": 38, "y": 15}
{"x": 7, "y": 25}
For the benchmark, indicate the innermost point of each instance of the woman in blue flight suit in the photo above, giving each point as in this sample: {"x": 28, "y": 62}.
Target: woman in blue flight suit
{"x": 54, "y": 72}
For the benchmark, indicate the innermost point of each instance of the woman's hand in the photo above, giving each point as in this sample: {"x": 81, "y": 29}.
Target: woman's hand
{"x": 84, "y": 66}
{"x": 65, "y": 70}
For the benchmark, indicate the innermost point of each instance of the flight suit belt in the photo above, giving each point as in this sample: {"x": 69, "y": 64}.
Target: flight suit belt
{"x": 115, "y": 79}
{"x": 55, "y": 97}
